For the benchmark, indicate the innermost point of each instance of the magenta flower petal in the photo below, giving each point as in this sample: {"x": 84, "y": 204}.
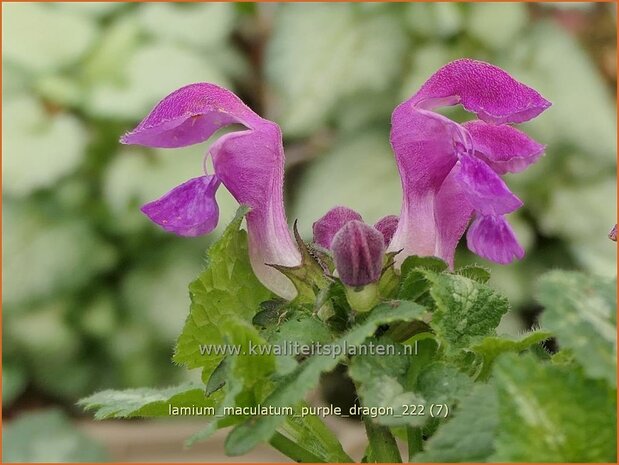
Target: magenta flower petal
{"x": 358, "y": 252}
{"x": 327, "y": 227}
{"x": 452, "y": 214}
{"x": 485, "y": 190}
{"x": 249, "y": 163}
{"x": 251, "y": 166}
{"x": 191, "y": 115}
{"x": 448, "y": 170}
{"x": 387, "y": 226}
{"x": 425, "y": 146}
{"x": 504, "y": 148}
{"x": 483, "y": 89}
{"x": 187, "y": 210}
{"x": 492, "y": 237}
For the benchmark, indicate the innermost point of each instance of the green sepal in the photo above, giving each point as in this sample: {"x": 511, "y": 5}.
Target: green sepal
{"x": 390, "y": 278}
{"x": 310, "y": 276}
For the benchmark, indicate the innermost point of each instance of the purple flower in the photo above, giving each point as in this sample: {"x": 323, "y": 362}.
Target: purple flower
{"x": 330, "y": 224}
{"x": 327, "y": 227}
{"x": 358, "y": 249}
{"x": 358, "y": 252}
{"x": 387, "y": 226}
{"x": 248, "y": 162}
{"x": 450, "y": 174}
{"x": 450, "y": 171}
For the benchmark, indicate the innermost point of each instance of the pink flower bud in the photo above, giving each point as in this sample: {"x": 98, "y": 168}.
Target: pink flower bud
{"x": 358, "y": 251}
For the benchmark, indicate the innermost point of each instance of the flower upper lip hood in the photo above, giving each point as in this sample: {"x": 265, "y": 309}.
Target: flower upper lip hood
{"x": 450, "y": 171}
{"x": 248, "y": 162}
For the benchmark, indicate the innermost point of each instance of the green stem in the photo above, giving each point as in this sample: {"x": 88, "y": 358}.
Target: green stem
{"x": 415, "y": 441}
{"x": 382, "y": 443}
{"x": 293, "y": 450}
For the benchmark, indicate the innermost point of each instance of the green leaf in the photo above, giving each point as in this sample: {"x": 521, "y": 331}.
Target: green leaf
{"x": 70, "y": 249}
{"x": 497, "y": 25}
{"x": 246, "y": 374}
{"x": 145, "y": 402}
{"x": 15, "y": 81}
{"x": 61, "y": 90}
{"x": 321, "y": 53}
{"x": 542, "y": 56}
{"x": 290, "y": 392}
{"x": 99, "y": 317}
{"x": 382, "y": 445}
{"x": 313, "y": 435}
{"x": 56, "y": 341}
{"x": 425, "y": 263}
{"x": 489, "y": 348}
{"x": 301, "y": 329}
{"x": 61, "y": 37}
{"x": 226, "y": 293}
{"x": 552, "y": 413}
{"x": 415, "y": 285}
{"x": 466, "y": 310}
{"x": 468, "y": 436}
{"x": 61, "y": 138}
{"x": 47, "y": 436}
{"x": 14, "y": 382}
{"x": 135, "y": 92}
{"x": 434, "y": 19}
{"x": 117, "y": 42}
{"x": 475, "y": 272}
{"x": 379, "y": 381}
{"x": 595, "y": 201}
{"x": 90, "y": 9}
{"x": 203, "y": 25}
{"x": 155, "y": 290}
{"x": 425, "y": 350}
{"x": 580, "y": 311}
{"x": 440, "y": 383}
{"x": 271, "y": 313}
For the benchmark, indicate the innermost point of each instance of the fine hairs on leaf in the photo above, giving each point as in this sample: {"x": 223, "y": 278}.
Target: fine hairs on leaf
{"x": 581, "y": 311}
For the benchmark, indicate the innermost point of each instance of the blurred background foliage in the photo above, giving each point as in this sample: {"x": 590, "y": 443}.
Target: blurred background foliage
{"x": 94, "y": 295}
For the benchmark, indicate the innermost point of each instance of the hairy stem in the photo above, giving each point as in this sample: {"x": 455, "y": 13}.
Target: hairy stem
{"x": 415, "y": 441}
{"x": 382, "y": 443}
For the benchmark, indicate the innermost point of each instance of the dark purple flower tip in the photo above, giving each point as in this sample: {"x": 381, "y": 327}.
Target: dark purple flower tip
{"x": 492, "y": 237}
{"x": 481, "y": 88}
{"x": 327, "y": 227}
{"x": 187, "y": 210}
{"x": 358, "y": 252}
{"x": 387, "y": 226}
{"x": 485, "y": 190}
{"x": 504, "y": 148}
